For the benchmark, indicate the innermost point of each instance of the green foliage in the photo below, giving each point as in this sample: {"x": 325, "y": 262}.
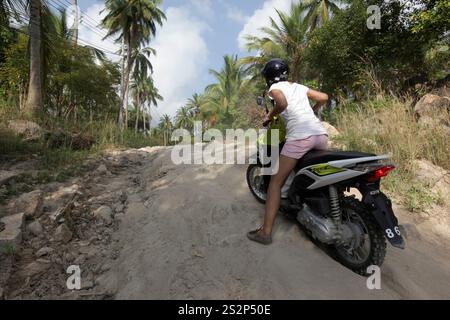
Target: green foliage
{"x": 353, "y": 60}
{"x": 14, "y": 71}
{"x": 72, "y": 91}
{"x": 435, "y": 19}
{"x": 319, "y": 12}
{"x": 166, "y": 126}
{"x": 437, "y": 61}
{"x": 9, "y": 249}
{"x": 418, "y": 198}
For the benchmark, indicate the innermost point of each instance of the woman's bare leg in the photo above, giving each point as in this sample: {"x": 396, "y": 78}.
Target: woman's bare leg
{"x": 274, "y": 193}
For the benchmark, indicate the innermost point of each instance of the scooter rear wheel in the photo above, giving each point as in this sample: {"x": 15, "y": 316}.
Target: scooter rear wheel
{"x": 370, "y": 249}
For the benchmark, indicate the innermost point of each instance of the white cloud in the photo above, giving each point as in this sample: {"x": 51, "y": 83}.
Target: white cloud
{"x": 182, "y": 53}
{"x": 236, "y": 14}
{"x": 182, "y": 58}
{"x": 204, "y": 7}
{"x": 261, "y": 18}
{"x": 90, "y": 32}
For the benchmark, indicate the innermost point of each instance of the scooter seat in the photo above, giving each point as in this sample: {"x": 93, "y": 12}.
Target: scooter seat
{"x": 318, "y": 157}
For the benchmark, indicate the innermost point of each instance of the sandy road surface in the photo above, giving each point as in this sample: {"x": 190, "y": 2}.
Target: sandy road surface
{"x": 184, "y": 237}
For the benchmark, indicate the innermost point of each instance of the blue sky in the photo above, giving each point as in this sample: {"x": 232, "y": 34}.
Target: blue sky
{"x": 195, "y": 37}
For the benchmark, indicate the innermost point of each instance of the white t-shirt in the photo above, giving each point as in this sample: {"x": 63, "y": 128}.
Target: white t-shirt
{"x": 299, "y": 117}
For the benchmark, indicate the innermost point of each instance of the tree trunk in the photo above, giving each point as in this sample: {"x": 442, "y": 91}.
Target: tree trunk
{"x": 122, "y": 85}
{"x": 149, "y": 118}
{"x": 127, "y": 83}
{"x": 138, "y": 108}
{"x": 34, "y": 99}
{"x": 143, "y": 117}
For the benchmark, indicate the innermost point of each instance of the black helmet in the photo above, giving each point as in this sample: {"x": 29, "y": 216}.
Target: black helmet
{"x": 275, "y": 70}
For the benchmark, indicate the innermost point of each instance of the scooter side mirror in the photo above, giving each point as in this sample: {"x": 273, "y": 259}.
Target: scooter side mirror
{"x": 260, "y": 101}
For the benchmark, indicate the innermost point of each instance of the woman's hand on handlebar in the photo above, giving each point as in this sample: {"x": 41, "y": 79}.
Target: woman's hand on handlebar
{"x": 267, "y": 120}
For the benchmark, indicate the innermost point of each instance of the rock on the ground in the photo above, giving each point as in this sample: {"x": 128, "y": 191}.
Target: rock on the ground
{"x": 12, "y": 234}
{"x": 87, "y": 284}
{"x": 440, "y": 122}
{"x": 442, "y": 188}
{"x": 31, "y": 204}
{"x": 117, "y": 197}
{"x": 36, "y": 267}
{"x": 79, "y": 260}
{"x": 436, "y": 178}
{"x": 44, "y": 252}
{"x": 428, "y": 173}
{"x": 29, "y": 130}
{"x": 63, "y": 233}
{"x": 35, "y": 228}
{"x": 5, "y": 176}
{"x": 65, "y": 193}
{"x": 105, "y": 268}
{"x": 102, "y": 170}
{"x": 431, "y": 104}
{"x": 105, "y": 214}
{"x": 332, "y": 131}
{"x": 443, "y": 91}
{"x": 119, "y": 208}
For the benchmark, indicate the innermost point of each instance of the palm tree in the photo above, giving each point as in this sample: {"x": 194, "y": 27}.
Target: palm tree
{"x": 141, "y": 64}
{"x": 133, "y": 22}
{"x": 34, "y": 99}
{"x": 138, "y": 91}
{"x": 286, "y": 40}
{"x": 197, "y": 103}
{"x": 166, "y": 127}
{"x": 144, "y": 91}
{"x": 225, "y": 93}
{"x": 153, "y": 97}
{"x": 319, "y": 11}
{"x": 142, "y": 85}
{"x": 185, "y": 118}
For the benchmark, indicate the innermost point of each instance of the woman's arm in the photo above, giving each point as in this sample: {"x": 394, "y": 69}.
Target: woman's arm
{"x": 280, "y": 103}
{"x": 319, "y": 97}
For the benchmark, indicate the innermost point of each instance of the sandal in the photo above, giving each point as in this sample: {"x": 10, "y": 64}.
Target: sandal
{"x": 257, "y": 237}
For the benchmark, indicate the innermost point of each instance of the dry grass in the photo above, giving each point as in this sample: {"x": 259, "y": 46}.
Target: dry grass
{"x": 390, "y": 127}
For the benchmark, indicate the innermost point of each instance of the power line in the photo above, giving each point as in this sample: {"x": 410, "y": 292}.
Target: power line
{"x": 84, "y": 13}
{"x": 94, "y": 29}
{"x": 25, "y": 16}
{"x": 89, "y": 21}
{"x": 81, "y": 40}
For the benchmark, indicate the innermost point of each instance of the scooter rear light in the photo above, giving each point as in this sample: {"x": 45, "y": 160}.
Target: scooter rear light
{"x": 380, "y": 173}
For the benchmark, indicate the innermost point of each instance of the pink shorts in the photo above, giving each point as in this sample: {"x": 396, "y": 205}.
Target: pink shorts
{"x": 298, "y": 148}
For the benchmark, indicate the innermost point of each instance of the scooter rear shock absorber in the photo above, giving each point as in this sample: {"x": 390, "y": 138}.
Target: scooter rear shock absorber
{"x": 336, "y": 213}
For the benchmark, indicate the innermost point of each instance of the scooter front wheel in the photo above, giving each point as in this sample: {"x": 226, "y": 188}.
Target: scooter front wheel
{"x": 257, "y": 182}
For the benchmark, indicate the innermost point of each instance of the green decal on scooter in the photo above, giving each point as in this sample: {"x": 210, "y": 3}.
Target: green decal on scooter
{"x": 266, "y": 138}
{"x": 325, "y": 170}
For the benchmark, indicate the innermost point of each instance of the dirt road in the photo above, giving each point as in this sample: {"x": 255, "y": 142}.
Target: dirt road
{"x": 140, "y": 227}
{"x": 184, "y": 237}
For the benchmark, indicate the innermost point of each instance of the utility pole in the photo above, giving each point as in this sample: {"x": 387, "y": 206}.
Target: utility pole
{"x": 76, "y": 20}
